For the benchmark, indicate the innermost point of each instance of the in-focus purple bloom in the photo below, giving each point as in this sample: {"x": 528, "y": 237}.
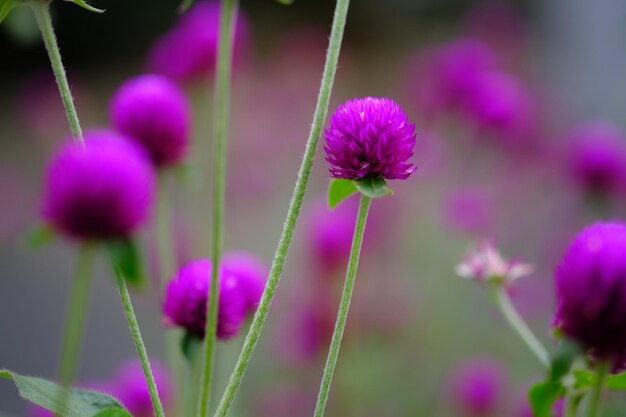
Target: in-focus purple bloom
{"x": 250, "y": 272}
{"x": 185, "y": 301}
{"x": 591, "y": 291}
{"x": 598, "y": 158}
{"x": 130, "y": 387}
{"x": 188, "y": 51}
{"x": 154, "y": 112}
{"x": 101, "y": 191}
{"x": 370, "y": 137}
{"x": 477, "y": 387}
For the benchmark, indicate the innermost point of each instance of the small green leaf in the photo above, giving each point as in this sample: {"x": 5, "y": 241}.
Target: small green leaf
{"x": 285, "y": 2}
{"x": 112, "y": 412}
{"x": 373, "y": 187}
{"x": 543, "y": 396}
{"x": 85, "y": 5}
{"x": 126, "y": 257}
{"x": 587, "y": 379}
{"x": 563, "y": 359}
{"x": 40, "y": 236}
{"x": 5, "y": 8}
{"x": 76, "y": 403}
{"x": 189, "y": 345}
{"x": 338, "y": 190}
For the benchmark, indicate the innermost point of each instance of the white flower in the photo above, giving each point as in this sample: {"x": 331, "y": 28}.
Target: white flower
{"x": 485, "y": 263}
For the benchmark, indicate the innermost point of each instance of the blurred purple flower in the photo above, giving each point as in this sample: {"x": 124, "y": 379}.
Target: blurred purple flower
{"x": 130, "y": 387}
{"x": 597, "y": 159}
{"x": 477, "y": 387}
{"x": 469, "y": 210}
{"x": 251, "y": 274}
{"x": 370, "y": 137}
{"x": 102, "y": 191}
{"x": 188, "y": 51}
{"x": 185, "y": 301}
{"x": 154, "y": 112}
{"x": 591, "y": 291}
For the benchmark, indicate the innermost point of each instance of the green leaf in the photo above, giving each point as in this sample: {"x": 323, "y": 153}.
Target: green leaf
{"x": 563, "y": 359}
{"x": 285, "y": 2}
{"x": 126, "y": 257}
{"x": 190, "y": 345}
{"x": 338, "y": 190}
{"x": 587, "y": 379}
{"x": 5, "y": 8}
{"x": 112, "y": 412}
{"x": 77, "y": 403}
{"x": 373, "y": 187}
{"x": 85, "y": 5}
{"x": 542, "y": 397}
{"x": 40, "y": 236}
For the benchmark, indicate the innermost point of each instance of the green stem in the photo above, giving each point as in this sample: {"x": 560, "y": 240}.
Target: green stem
{"x": 42, "y": 14}
{"x": 572, "y": 402}
{"x": 519, "y": 325}
{"x": 228, "y": 15}
{"x": 75, "y": 320}
{"x": 342, "y": 316}
{"x": 295, "y": 206}
{"x": 595, "y": 399}
{"x": 137, "y": 339}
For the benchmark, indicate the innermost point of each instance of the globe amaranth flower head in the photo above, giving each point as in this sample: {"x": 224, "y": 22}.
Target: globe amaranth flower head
{"x": 591, "y": 291}
{"x": 185, "y": 301}
{"x": 370, "y": 138}
{"x": 154, "y": 112}
{"x": 101, "y": 191}
{"x": 476, "y": 387}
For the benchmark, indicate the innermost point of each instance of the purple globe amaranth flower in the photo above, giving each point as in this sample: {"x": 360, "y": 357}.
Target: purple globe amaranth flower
{"x": 597, "y": 159}
{"x": 130, "y": 387}
{"x": 477, "y": 386}
{"x": 250, "y": 272}
{"x": 154, "y": 112}
{"x": 591, "y": 291}
{"x": 370, "y": 137}
{"x": 101, "y": 191}
{"x": 189, "y": 50}
{"x": 185, "y": 301}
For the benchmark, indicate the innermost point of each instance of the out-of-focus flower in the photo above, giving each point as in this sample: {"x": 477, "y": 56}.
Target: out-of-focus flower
{"x": 185, "y": 301}
{"x": 188, "y": 51}
{"x": 477, "y": 387}
{"x": 250, "y": 272}
{"x": 597, "y": 160}
{"x": 485, "y": 264}
{"x": 469, "y": 210}
{"x": 591, "y": 291}
{"x": 154, "y": 112}
{"x": 370, "y": 137}
{"x": 101, "y": 191}
{"x": 130, "y": 387}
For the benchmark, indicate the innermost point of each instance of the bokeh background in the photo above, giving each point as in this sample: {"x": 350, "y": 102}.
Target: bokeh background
{"x": 502, "y": 164}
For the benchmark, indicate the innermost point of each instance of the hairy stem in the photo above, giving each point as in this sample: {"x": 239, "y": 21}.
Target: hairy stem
{"x": 519, "y": 325}
{"x": 342, "y": 316}
{"x": 295, "y": 206}
{"x": 228, "y": 16}
{"x": 42, "y": 14}
{"x": 137, "y": 339}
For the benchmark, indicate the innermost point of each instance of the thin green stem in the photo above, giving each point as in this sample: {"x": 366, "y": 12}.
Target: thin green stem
{"x": 42, "y": 14}
{"x": 519, "y": 325}
{"x": 75, "y": 320}
{"x": 595, "y": 398}
{"x": 228, "y": 15}
{"x": 295, "y": 206}
{"x": 137, "y": 339}
{"x": 342, "y": 316}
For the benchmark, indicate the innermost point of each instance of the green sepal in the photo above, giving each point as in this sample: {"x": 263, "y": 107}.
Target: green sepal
{"x": 76, "y": 402}
{"x": 85, "y": 5}
{"x": 40, "y": 236}
{"x": 190, "y": 345}
{"x": 587, "y": 379}
{"x": 126, "y": 257}
{"x": 338, "y": 190}
{"x": 373, "y": 187}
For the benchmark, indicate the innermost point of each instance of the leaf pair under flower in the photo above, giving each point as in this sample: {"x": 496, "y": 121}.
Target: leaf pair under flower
{"x": 7, "y": 5}
{"x": 340, "y": 189}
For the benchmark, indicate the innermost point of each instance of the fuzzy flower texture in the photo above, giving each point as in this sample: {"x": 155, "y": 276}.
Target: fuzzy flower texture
{"x": 242, "y": 278}
{"x": 591, "y": 291}
{"x": 370, "y": 138}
